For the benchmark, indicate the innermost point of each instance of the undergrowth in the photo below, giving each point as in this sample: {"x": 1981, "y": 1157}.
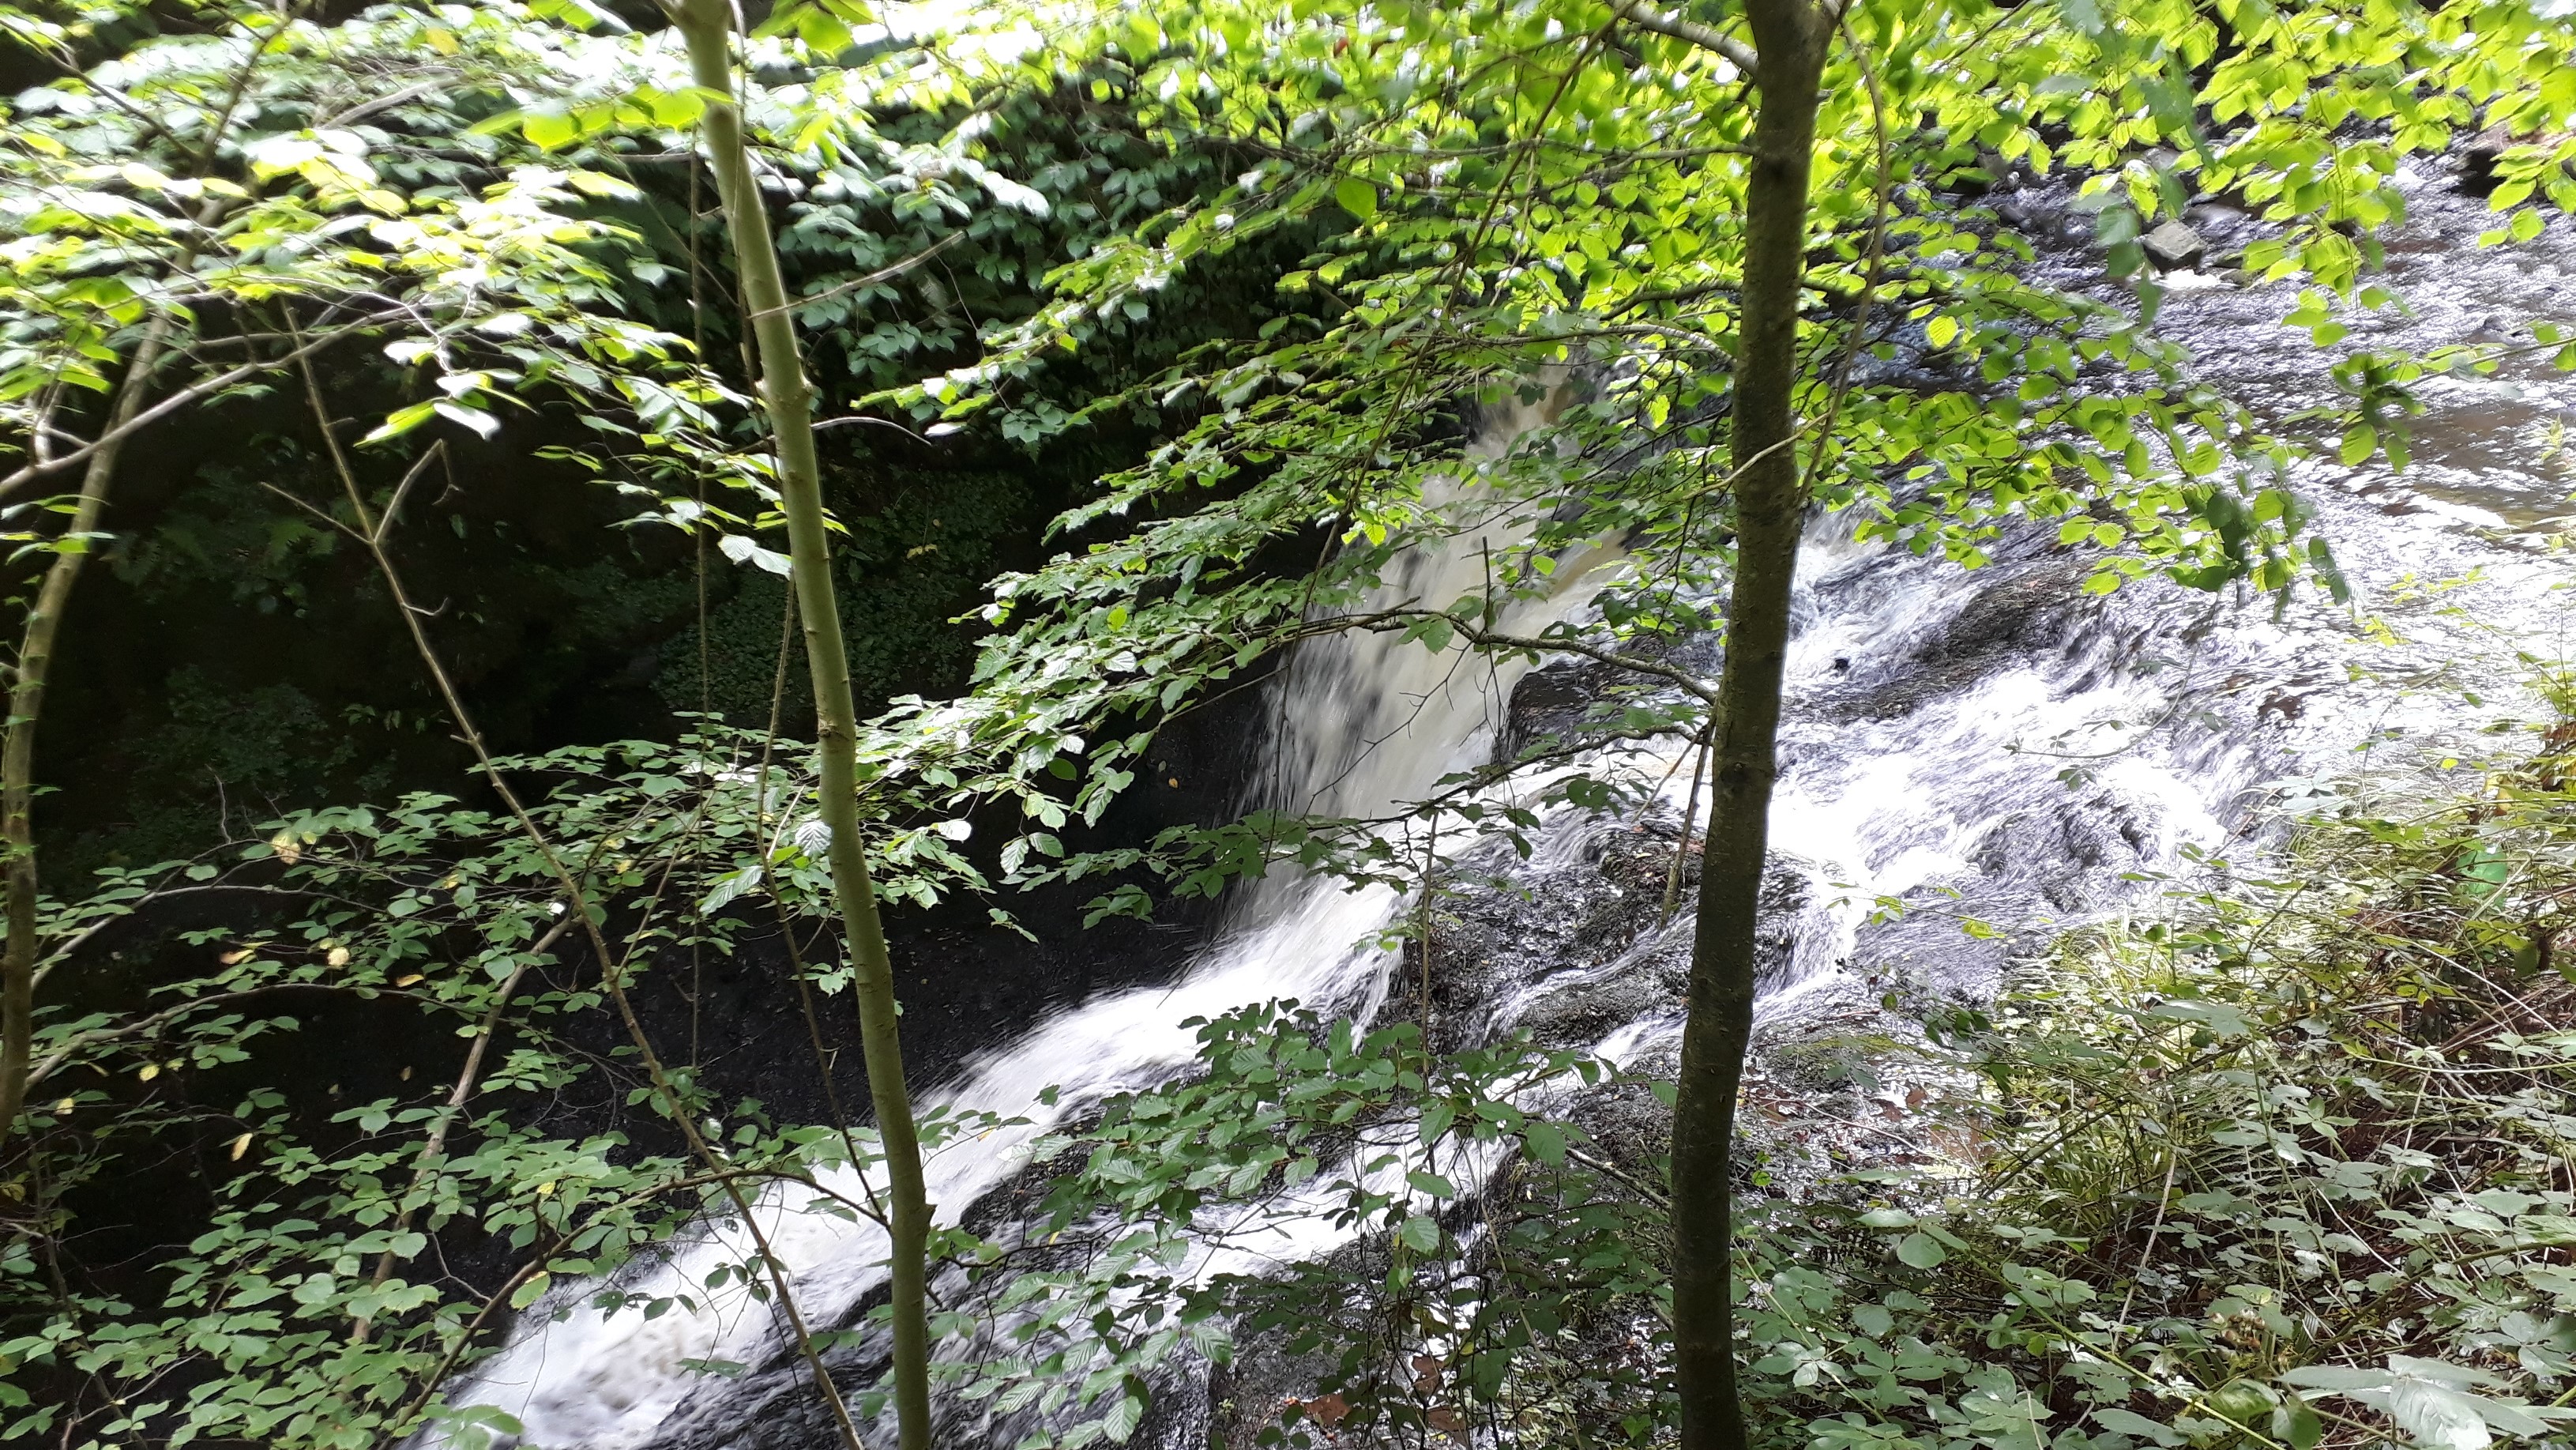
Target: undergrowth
{"x": 2283, "y": 1162}
{"x": 2288, "y": 1166}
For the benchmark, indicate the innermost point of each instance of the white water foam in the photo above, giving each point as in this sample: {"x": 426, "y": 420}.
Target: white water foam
{"x": 1368, "y": 722}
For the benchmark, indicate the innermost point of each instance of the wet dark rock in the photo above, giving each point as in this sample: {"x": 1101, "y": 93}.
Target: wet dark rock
{"x": 1991, "y": 173}
{"x": 2227, "y": 229}
{"x": 2173, "y": 245}
{"x": 2478, "y": 157}
{"x": 2030, "y": 610}
{"x": 2044, "y": 217}
{"x": 1582, "y": 1015}
{"x": 1247, "y": 1395}
{"x": 1641, "y": 967}
{"x": 2002, "y": 174}
{"x": 1788, "y": 890}
{"x": 2025, "y": 612}
{"x": 1585, "y": 929}
{"x": 1629, "y": 1124}
{"x": 1554, "y": 700}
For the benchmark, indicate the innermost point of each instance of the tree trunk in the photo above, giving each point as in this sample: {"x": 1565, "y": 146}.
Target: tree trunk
{"x": 26, "y": 706}
{"x": 1789, "y": 37}
{"x": 707, "y": 24}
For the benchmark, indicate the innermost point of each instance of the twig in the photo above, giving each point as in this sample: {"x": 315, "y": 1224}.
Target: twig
{"x": 433, "y": 1152}
{"x": 196, "y": 392}
{"x": 882, "y": 274}
{"x": 1689, "y": 31}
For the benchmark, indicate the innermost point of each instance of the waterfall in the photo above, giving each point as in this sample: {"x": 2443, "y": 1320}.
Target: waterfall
{"x": 1365, "y": 723}
{"x": 1990, "y": 745}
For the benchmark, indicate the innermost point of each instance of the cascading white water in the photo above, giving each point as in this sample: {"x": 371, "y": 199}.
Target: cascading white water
{"x": 1367, "y": 722}
{"x": 1988, "y": 746}
{"x": 2018, "y": 781}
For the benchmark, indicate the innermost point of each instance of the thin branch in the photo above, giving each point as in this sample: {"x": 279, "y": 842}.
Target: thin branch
{"x": 194, "y": 393}
{"x": 434, "y": 1152}
{"x": 382, "y": 104}
{"x": 314, "y": 509}
{"x": 1535, "y": 644}
{"x": 873, "y": 422}
{"x": 882, "y": 274}
{"x": 1636, "y": 13}
{"x": 402, "y": 490}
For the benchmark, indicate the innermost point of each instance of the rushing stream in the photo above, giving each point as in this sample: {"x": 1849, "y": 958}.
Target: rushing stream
{"x": 1988, "y": 744}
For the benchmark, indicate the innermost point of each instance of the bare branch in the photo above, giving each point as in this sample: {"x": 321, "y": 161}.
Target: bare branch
{"x": 1535, "y": 644}
{"x": 185, "y": 397}
{"x": 402, "y": 490}
{"x": 381, "y": 104}
{"x": 434, "y": 1152}
{"x": 882, "y": 274}
{"x": 315, "y": 510}
{"x": 872, "y": 422}
{"x": 1636, "y": 13}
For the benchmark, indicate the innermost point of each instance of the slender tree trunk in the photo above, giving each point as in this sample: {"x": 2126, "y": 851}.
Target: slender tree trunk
{"x": 26, "y": 707}
{"x": 707, "y": 24}
{"x": 1789, "y": 37}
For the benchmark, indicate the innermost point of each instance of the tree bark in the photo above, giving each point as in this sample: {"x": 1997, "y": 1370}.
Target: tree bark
{"x": 785, "y": 395}
{"x": 26, "y": 707}
{"x": 1789, "y": 39}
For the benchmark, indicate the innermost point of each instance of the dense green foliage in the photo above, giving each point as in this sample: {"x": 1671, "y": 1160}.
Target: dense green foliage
{"x": 322, "y": 1212}
{"x": 1242, "y": 281}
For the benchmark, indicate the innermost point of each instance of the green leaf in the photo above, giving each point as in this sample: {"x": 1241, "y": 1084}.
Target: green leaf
{"x": 548, "y": 129}
{"x": 1420, "y": 1233}
{"x": 745, "y": 550}
{"x": 1124, "y": 1416}
{"x": 1546, "y": 1142}
{"x": 475, "y": 418}
{"x": 1922, "y": 1251}
{"x": 1439, "y": 1114}
{"x": 2137, "y": 1427}
{"x": 2437, "y": 1415}
{"x": 401, "y": 421}
{"x": 531, "y": 1291}
{"x": 1357, "y": 197}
